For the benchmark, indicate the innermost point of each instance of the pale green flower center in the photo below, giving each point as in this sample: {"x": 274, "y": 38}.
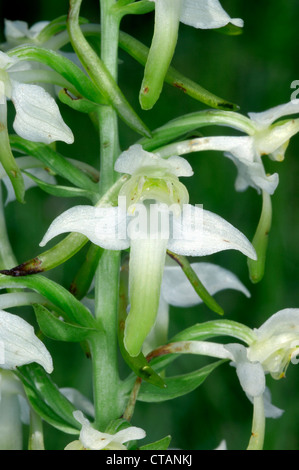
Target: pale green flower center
{"x": 165, "y": 189}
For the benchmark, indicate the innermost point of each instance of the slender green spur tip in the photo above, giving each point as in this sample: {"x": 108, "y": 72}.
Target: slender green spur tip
{"x": 167, "y": 20}
{"x": 260, "y": 241}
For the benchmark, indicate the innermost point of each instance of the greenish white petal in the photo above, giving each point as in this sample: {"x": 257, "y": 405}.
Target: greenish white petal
{"x": 206, "y": 14}
{"x": 19, "y": 345}
{"x": 91, "y": 439}
{"x": 177, "y": 290}
{"x": 198, "y": 232}
{"x": 37, "y": 115}
{"x": 135, "y": 160}
{"x": 104, "y": 226}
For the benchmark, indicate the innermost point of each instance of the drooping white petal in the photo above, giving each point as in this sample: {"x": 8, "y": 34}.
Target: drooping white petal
{"x": 136, "y": 159}
{"x": 198, "y": 232}
{"x": 265, "y": 118}
{"x": 37, "y": 115}
{"x": 96, "y": 440}
{"x": 19, "y": 345}
{"x": 250, "y": 374}
{"x": 206, "y": 14}
{"x": 271, "y": 411}
{"x": 253, "y": 174}
{"x": 177, "y": 290}
{"x": 105, "y": 227}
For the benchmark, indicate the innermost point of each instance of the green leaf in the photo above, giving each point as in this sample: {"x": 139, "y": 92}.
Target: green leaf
{"x": 54, "y": 27}
{"x": 126, "y": 7}
{"x": 58, "y": 295}
{"x": 46, "y": 399}
{"x": 99, "y": 73}
{"x": 162, "y": 444}
{"x": 176, "y": 386}
{"x": 65, "y": 67}
{"x": 61, "y": 191}
{"x": 78, "y": 104}
{"x": 59, "y": 330}
{"x": 54, "y": 161}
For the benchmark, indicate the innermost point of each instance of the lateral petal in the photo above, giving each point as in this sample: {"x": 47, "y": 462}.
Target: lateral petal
{"x": 37, "y": 115}
{"x": 206, "y": 14}
{"x": 198, "y": 232}
{"x": 106, "y": 227}
{"x": 19, "y": 345}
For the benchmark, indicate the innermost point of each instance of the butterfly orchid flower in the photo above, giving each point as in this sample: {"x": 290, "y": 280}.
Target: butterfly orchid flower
{"x": 153, "y": 215}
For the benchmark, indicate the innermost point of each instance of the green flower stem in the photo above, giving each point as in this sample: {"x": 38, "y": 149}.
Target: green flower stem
{"x": 260, "y": 241}
{"x": 256, "y": 441}
{"x": 167, "y": 21}
{"x": 104, "y": 348}
{"x": 102, "y": 71}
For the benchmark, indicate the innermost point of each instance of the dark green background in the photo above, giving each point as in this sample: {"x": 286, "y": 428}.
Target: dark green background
{"x": 254, "y": 70}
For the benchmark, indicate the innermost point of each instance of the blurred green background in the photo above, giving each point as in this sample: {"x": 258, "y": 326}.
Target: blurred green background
{"x": 254, "y": 70}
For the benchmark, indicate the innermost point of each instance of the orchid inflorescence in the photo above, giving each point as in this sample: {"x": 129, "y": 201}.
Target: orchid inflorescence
{"x": 141, "y": 227}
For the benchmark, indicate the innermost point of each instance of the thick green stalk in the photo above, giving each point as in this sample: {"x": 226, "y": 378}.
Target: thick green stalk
{"x": 104, "y": 348}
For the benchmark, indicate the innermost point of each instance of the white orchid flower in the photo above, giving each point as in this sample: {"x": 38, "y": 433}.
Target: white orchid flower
{"x": 269, "y": 350}
{"x": 19, "y": 345}
{"x": 37, "y": 115}
{"x": 277, "y": 342}
{"x": 265, "y": 137}
{"x": 203, "y": 14}
{"x": 153, "y": 215}
{"x": 176, "y": 290}
{"x": 91, "y": 439}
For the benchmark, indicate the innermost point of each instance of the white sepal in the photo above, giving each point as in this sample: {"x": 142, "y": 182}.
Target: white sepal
{"x": 19, "y": 344}
{"x": 206, "y": 14}
{"x": 37, "y": 115}
{"x": 104, "y": 226}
